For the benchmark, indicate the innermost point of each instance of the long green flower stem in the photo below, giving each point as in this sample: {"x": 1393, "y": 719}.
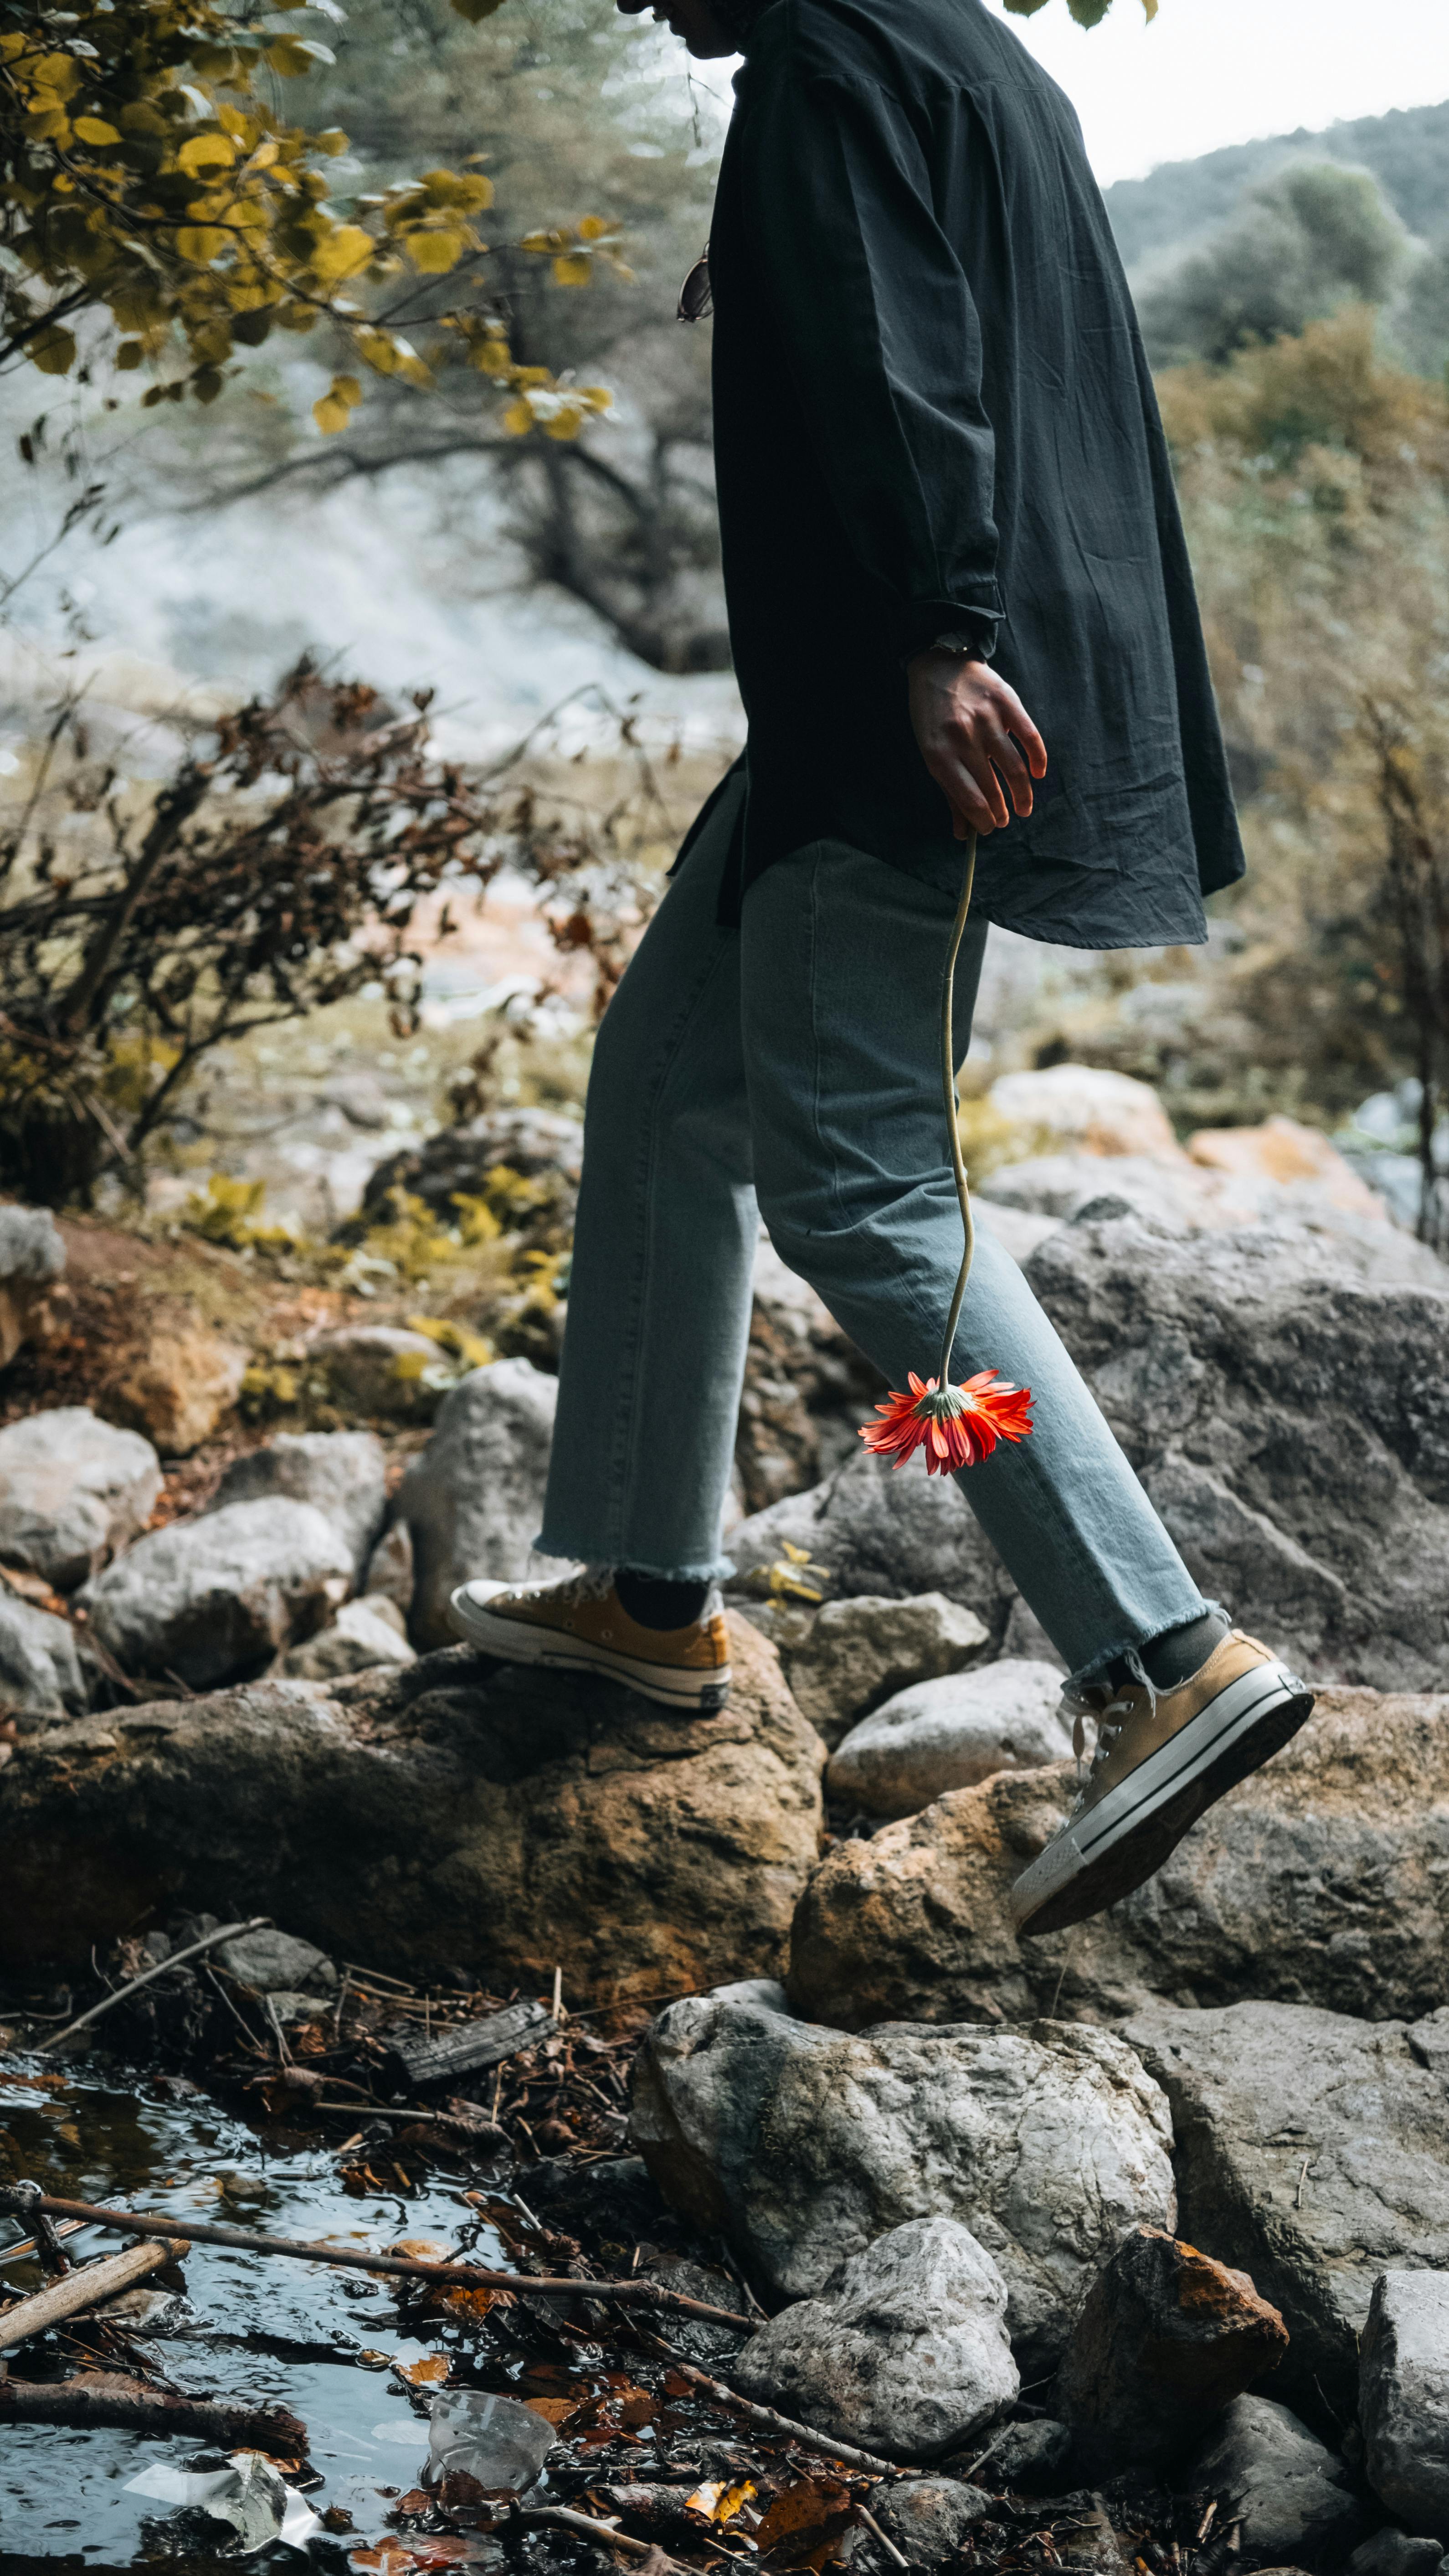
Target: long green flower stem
{"x": 948, "y": 1090}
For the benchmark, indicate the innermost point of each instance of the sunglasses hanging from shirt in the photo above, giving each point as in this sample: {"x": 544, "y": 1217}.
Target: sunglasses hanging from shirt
{"x": 695, "y": 298}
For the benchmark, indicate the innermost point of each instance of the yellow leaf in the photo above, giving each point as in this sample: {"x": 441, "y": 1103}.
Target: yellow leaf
{"x": 205, "y": 152}
{"x": 592, "y": 228}
{"x": 129, "y": 354}
{"x": 1150, "y": 7}
{"x": 518, "y": 419}
{"x": 425, "y": 2373}
{"x": 347, "y": 389}
{"x": 572, "y": 268}
{"x": 52, "y": 350}
{"x": 343, "y": 251}
{"x": 330, "y": 414}
{"x": 201, "y": 243}
{"x": 562, "y": 424}
{"x": 94, "y": 129}
{"x": 434, "y": 252}
{"x": 293, "y": 55}
{"x": 331, "y": 141}
{"x": 60, "y": 72}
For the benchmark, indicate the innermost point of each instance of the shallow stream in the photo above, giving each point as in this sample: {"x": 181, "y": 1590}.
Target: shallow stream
{"x": 268, "y": 2331}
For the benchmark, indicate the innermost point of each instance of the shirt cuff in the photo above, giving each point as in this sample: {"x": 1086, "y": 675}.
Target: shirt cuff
{"x": 919, "y": 622}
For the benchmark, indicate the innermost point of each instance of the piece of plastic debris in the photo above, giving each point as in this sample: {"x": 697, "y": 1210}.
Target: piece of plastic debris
{"x": 496, "y": 2440}
{"x": 244, "y": 2490}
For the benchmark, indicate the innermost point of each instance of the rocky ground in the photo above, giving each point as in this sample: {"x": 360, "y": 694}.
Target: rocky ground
{"x": 1132, "y": 2245}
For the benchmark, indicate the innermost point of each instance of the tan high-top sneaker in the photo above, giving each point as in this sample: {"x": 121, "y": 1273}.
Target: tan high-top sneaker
{"x": 582, "y": 1626}
{"x": 1162, "y": 1758}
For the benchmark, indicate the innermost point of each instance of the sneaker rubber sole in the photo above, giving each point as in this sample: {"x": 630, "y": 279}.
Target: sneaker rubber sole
{"x": 519, "y": 1641}
{"x": 1121, "y": 1842}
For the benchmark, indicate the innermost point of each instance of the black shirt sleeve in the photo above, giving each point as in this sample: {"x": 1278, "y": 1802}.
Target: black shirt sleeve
{"x": 884, "y": 345}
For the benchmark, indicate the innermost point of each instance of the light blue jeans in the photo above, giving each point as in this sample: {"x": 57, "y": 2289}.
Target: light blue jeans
{"x": 789, "y": 1070}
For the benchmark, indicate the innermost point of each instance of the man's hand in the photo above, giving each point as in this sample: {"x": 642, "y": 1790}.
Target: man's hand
{"x": 964, "y": 717}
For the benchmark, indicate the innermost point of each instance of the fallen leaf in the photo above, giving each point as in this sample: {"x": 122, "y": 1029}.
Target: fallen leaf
{"x": 399, "y": 2557}
{"x": 425, "y": 2373}
{"x": 806, "y": 2524}
{"x": 554, "y": 2410}
{"x": 423, "y": 2249}
{"x": 718, "y": 2499}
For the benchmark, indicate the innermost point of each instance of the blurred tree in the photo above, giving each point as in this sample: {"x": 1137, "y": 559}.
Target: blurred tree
{"x": 1314, "y": 237}
{"x": 1421, "y": 322}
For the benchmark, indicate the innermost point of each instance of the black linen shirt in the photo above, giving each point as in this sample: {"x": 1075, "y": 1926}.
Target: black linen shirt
{"x": 932, "y": 413}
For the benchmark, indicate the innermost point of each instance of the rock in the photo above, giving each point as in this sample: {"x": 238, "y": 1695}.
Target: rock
{"x": 72, "y": 1489}
{"x": 271, "y": 1962}
{"x": 1292, "y": 2499}
{"x": 378, "y": 1370}
{"x": 1320, "y": 1880}
{"x": 343, "y": 1474}
{"x": 1310, "y": 2149}
{"x": 849, "y": 1656}
{"x": 458, "y": 1810}
{"x": 929, "y": 2518}
{"x": 803, "y": 2145}
{"x": 180, "y": 1385}
{"x": 474, "y": 1499}
{"x": 1016, "y": 1229}
{"x": 1403, "y": 2400}
{"x": 32, "y": 1258}
{"x": 458, "y": 1161}
{"x": 364, "y": 1634}
{"x": 880, "y": 1534}
{"x": 389, "y": 1574}
{"x": 1165, "y": 2340}
{"x": 905, "y": 2353}
{"x": 948, "y": 1734}
{"x": 1283, "y": 1150}
{"x": 1032, "y": 2459}
{"x": 1393, "y": 2553}
{"x": 1174, "y": 1195}
{"x": 1100, "y": 1112}
{"x": 40, "y": 1673}
{"x": 214, "y": 1599}
{"x": 806, "y": 1391}
{"x": 1284, "y": 1398}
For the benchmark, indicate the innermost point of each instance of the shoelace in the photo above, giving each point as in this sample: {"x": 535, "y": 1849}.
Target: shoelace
{"x": 1080, "y": 1707}
{"x": 591, "y": 1583}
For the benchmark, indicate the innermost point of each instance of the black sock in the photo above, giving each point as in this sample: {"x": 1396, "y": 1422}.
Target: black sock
{"x": 656, "y": 1602}
{"x": 1179, "y": 1652}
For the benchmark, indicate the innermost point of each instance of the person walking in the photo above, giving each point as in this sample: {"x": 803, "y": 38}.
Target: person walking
{"x": 960, "y": 604}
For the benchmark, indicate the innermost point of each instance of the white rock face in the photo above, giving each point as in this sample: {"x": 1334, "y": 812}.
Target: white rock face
{"x": 214, "y": 1599}
{"x": 907, "y": 2353}
{"x": 364, "y": 1634}
{"x": 1048, "y": 2141}
{"x": 342, "y": 1473}
{"x": 32, "y": 1257}
{"x": 72, "y": 1490}
{"x": 1082, "y": 1105}
{"x": 949, "y": 1734}
{"x": 853, "y": 1654}
{"x": 474, "y": 1499}
{"x": 1404, "y": 2398}
{"x": 40, "y": 1672}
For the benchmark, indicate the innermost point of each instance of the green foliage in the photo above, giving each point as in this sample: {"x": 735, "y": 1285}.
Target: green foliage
{"x": 1407, "y": 152}
{"x": 1314, "y": 237}
{"x": 146, "y": 180}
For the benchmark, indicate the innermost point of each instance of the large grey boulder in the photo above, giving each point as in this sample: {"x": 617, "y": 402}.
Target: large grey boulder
{"x": 803, "y": 2145}
{"x": 882, "y": 1534}
{"x": 1292, "y": 2499}
{"x": 850, "y": 1656}
{"x": 516, "y": 1821}
{"x": 343, "y": 1474}
{"x": 72, "y": 1489}
{"x": 1282, "y": 1392}
{"x": 213, "y": 1600}
{"x": 1284, "y": 1396}
{"x": 474, "y": 1499}
{"x": 32, "y": 1257}
{"x": 948, "y": 1734}
{"x": 1403, "y": 2402}
{"x": 906, "y": 2353}
{"x": 1322, "y": 1879}
{"x": 1310, "y": 2150}
{"x": 40, "y": 1673}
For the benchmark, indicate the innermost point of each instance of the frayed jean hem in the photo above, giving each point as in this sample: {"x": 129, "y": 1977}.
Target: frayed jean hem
{"x": 1131, "y": 1648}
{"x": 718, "y": 1570}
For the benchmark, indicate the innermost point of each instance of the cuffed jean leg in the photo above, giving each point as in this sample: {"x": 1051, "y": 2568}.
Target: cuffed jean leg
{"x": 841, "y": 959}
{"x": 659, "y": 1291}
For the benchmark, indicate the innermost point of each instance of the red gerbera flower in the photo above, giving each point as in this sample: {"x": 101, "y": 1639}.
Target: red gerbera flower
{"x": 957, "y": 1426}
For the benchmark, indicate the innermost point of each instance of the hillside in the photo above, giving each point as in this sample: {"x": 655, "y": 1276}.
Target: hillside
{"x": 1407, "y": 151}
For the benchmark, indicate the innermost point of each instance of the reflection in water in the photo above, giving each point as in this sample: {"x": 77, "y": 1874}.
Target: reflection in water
{"x": 268, "y": 2332}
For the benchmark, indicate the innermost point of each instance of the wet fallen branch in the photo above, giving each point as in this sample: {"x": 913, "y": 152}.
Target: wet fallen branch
{"x": 472, "y": 2047}
{"x": 781, "y": 2426}
{"x": 563, "y": 2519}
{"x": 83, "y": 2288}
{"x": 163, "y": 1968}
{"x": 106, "y": 2399}
{"x": 460, "y": 2276}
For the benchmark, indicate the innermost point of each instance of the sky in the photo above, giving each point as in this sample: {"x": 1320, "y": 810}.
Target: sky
{"x": 1208, "y": 72}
